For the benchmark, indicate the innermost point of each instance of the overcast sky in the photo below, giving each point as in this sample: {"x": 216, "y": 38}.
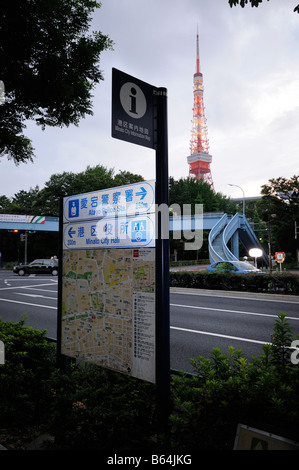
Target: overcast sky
{"x": 250, "y": 66}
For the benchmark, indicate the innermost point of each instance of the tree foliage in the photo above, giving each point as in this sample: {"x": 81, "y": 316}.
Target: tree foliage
{"x": 192, "y": 191}
{"x": 254, "y": 3}
{"x": 280, "y": 208}
{"x": 283, "y": 188}
{"x": 45, "y": 201}
{"x": 49, "y": 66}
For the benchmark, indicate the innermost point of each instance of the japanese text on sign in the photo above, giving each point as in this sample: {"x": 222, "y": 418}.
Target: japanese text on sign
{"x": 123, "y": 201}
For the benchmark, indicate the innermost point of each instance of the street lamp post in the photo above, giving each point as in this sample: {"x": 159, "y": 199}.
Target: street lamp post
{"x": 229, "y": 184}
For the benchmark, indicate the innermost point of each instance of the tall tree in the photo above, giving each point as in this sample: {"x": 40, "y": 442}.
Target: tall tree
{"x": 45, "y": 201}
{"x": 280, "y": 208}
{"x": 49, "y": 66}
{"x": 5, "y": 203}
{"x": 192, "y": 191}
{"x": 23, "y": 201}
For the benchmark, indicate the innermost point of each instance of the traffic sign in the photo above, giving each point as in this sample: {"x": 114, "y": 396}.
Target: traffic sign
{"x": 131, "y": 199}
{"x": 116, "y": 232}
{"x": 280, "y": 256}
{"x": 132, "y": 109}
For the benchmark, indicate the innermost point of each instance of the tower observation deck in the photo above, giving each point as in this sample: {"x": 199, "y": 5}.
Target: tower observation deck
{"x": 199, "y": 160}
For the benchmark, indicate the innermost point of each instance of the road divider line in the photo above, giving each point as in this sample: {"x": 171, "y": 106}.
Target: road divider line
{"x": 36, "y": 295}
{"x": 43, "y": 290}
{"x": 26, "y": 287}
{"x": 231, "y": 311}
{"x": 187, "y": 330}
{"x": 26, "y": 303}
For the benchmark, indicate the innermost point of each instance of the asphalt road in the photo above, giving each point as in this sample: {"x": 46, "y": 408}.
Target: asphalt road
{"x": 203, "y": 320}
{"x": 32, "y": 296}
{"x": 200, "y": 320}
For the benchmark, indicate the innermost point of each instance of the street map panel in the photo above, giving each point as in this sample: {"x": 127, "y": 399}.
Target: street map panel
{"x": 108, "y": 309}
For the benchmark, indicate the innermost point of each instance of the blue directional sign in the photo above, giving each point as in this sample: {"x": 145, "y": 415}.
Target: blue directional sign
{"x": 116, "y": 232}
{"x": 132, "y": 199}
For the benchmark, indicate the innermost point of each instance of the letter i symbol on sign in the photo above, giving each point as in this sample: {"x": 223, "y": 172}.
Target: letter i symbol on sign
{"x": 133, "y": 101}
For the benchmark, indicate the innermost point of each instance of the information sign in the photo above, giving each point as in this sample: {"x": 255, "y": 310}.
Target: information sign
{"x": 107, "y": 311}
{"x": 138, "y": 198}
{"x": 132, "y": 109}
{"x": 117, "y": 232}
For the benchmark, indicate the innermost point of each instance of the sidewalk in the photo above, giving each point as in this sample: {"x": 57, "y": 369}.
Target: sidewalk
{"x": 236, "y": 294}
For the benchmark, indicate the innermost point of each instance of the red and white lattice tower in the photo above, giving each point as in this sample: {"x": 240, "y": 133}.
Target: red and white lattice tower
{"x": 199, "y": 160}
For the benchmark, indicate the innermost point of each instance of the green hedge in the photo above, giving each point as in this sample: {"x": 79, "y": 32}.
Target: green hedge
{"x": 24, "y": 378}
{"x": 87, "y": 407}
{"x": 278, "y": 283}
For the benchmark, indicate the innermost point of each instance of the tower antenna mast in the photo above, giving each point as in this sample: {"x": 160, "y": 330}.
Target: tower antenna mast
{"x": 197, "y": 53}
{"x": 199, "y": 159}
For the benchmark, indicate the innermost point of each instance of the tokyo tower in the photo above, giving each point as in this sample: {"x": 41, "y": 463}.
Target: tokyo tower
{"x": 199, "y": 160}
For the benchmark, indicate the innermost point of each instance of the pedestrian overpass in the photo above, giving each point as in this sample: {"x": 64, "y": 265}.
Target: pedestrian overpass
{"x": 51, "y": 224}
{"x": 232, "y": 229}
{"x": 29, "y": 223}
{"x": 224, "y": 229}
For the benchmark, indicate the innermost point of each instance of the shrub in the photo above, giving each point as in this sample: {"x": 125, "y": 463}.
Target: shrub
{"x": 228, "y": 389}
{"x": 24, "y": 377}
{"x": 281, "y": 283}
{"x": 94, "y": 408}
{"x": 87, "y": 407}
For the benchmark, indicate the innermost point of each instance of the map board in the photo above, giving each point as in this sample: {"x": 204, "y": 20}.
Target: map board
{"x": 108, "y": 290}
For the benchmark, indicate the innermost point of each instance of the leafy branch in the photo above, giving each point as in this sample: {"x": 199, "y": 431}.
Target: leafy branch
{"x": 254, "y": 3}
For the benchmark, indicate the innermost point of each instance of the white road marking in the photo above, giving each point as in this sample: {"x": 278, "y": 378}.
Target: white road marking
{"x": 218, "y": 335}
{"x": 36, "y": 295}
{"x": 231, "y": 311}
{"x": 27, "y": 303}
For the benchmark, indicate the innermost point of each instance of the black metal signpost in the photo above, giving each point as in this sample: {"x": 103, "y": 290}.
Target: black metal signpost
{"x": 139, "y": 115}
{"x": 162, "y": 264}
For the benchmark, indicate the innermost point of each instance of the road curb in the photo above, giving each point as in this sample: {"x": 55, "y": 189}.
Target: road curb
{"x": 236, "y": 294}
